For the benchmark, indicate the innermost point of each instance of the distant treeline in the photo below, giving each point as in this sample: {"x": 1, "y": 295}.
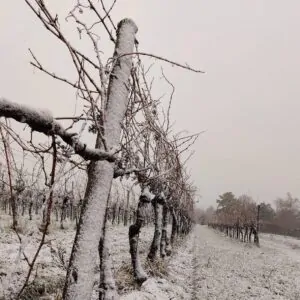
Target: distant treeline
{"x": 282, "y": 218}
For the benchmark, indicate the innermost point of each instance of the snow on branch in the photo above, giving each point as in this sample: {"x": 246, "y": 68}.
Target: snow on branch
{"x": 43, "y": 121}
{"x": 121, "y": 172}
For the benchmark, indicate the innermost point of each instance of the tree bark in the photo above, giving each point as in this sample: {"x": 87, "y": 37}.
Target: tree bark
{"x": 157, "y": 203}
{"x": 134, "y": 231}
{"x": 107, "y": 286}
{"x": 164, "y": 243}
{"x": 126, "y": 213}
{"x": 174, "y": 226}
{"x": 30, "y": 210}
{"x": 12, "y": 195}
{"x": 80, "y": 273}
{"x": 256, "y": 237}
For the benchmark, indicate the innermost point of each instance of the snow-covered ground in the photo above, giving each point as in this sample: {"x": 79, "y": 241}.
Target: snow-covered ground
{"x": 207, "y": 265}
{"x": 216, "y": 267}
{"x": 54, "y": 255}
{"x": 211, "y": 266}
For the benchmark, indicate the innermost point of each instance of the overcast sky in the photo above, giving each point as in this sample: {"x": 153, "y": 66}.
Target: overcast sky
{"x": 248, "y": 100}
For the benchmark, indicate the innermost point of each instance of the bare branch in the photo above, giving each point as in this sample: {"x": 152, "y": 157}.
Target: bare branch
{"x": 43, "y": 121}
{"x": 186, "y": 66}
{"x": 122, "y": 172}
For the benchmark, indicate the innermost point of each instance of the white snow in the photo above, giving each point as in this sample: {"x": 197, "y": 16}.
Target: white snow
{"x": 212, "y": 266}
{"x": 207, "y": 265}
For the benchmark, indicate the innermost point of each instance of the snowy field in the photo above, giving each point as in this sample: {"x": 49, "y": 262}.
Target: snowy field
{"x": 207, "y": 266}
{"x": 213, "y": 266}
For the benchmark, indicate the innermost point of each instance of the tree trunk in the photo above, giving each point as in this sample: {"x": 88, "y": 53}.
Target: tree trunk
{"x": 14, "y": 210}
{"x": 30, "y": 210}
{"x": 4, "y": 207}
{"x": 36, "y": 206}
{"x": 164, "y": 243}
{"x": 56, "y": 212}
{"x": 174, "y": 226}
{"x": 256, "y": 237}
{"x": 71, "y": 211}
{"x": 23, "y": 207}
{"x": 119, "y": 214}
{"x": 79, "y": 281}
{"x": 44, "y": 209}
{"x": 157, "y": 203}
{"x": 134, "y": 230}
{"x": 113, "y": 214}
{"x": 107, "y": 286}
{"x": 127, "y": 209}
{"x": 62, "y": 214}
{"x": 12, "y": 196}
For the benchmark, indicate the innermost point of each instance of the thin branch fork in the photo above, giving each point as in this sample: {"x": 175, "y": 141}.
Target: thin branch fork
{"x": 42, "y": 121}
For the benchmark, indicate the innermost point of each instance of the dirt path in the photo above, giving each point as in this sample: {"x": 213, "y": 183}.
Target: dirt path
{"x": 213, "y": 266}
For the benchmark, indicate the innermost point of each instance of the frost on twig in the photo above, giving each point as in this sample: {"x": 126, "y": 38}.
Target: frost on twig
{"x": 43, "y": 121}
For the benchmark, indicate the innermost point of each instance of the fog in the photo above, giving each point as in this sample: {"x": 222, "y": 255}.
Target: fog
{"x": 247, "y": 101}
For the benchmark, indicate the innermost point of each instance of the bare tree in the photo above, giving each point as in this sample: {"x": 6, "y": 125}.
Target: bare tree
{"x": 130, "y": 139}
{"x": 12, "y": 195}
{"x": 84, "y": 252}
{"x": 134, "y": 231}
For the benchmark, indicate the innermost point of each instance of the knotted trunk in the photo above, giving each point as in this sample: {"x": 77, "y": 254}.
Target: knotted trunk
{"x": 134, "y": 230}
{"x": 157, "y": 203}
{"x": 174, "y": 226}
{"x": 80, "y": 273}
{"x": 108, "y": 288}
{"x": 164, "y": 243}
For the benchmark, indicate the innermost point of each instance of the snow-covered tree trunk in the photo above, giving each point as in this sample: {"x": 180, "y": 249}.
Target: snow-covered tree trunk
{"x": 174, "y": 226}
{"x": 79, "y": 281}
{"x": 134, "y": 231}
{"x": 164, "y": 243}
{"x": 157, "y": 203}
{"x": 107, "y": 286}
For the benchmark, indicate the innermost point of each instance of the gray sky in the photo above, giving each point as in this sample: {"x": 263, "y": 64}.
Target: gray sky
{"x": 247, "y": 101}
